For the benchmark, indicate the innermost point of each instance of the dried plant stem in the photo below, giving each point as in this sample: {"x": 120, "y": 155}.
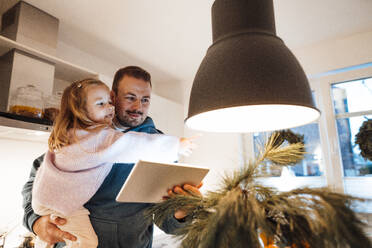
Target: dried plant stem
{"x": 242, "y": 209}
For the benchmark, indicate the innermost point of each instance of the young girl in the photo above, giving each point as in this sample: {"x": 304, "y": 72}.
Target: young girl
{"x": 82, "y": 150}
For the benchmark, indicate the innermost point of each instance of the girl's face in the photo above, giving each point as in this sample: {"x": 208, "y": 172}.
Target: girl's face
{"x": 98, "y": 104}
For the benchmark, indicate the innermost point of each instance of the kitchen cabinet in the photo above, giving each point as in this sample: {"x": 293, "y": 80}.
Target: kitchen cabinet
{"x": 64, "y": 70}
{"x": 65, "y": 73}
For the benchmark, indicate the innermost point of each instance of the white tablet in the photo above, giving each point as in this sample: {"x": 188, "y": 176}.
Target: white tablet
{"x": 149, "y": 181}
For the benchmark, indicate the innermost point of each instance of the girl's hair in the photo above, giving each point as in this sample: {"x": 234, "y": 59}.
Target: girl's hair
{"x": 73, "y": 114}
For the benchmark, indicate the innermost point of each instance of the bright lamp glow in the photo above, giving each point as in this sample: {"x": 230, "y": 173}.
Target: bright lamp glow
{"x": 253, "y": 118}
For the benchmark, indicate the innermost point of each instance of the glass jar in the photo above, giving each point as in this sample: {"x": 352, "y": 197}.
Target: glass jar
{"x": 52, "y": 105}
{"x": 27, "y": 101}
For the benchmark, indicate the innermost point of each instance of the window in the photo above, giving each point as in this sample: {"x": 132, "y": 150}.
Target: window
{"x": 311, "y": 165}
{"x": 309, "y": 172}
{"x": 344, "y": 98}
{"x": 352, "y": 103}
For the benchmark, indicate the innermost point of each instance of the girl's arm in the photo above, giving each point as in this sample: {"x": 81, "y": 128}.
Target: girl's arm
{"x": 111, "y": 146}
{"x": 133, "y": 146}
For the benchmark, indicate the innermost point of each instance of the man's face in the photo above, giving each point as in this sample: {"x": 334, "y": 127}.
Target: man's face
{"x": 132, "y": 101}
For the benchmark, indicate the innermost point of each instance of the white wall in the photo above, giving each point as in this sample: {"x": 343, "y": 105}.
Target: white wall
{"x": 16, "y": 160}
{"x": 167, "y": 115}
{"x": 81, "y": 58}
{"x": 336, "y": 53}
{"x": 219, "y": 152}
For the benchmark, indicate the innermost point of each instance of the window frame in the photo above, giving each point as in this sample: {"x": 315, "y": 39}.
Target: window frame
{"x": 333, "y": 176}
{"x": 313, "y": 181}
{"x": 334, "y": 172}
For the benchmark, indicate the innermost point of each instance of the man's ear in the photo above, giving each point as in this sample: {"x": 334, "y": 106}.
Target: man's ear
{"x": 112, "y": 96}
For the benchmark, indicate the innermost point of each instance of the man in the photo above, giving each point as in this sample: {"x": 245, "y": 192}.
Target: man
{"x": 116, "y": 224}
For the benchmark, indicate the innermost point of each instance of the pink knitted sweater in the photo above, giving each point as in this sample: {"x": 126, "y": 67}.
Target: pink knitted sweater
{"x": 67, "y": 179}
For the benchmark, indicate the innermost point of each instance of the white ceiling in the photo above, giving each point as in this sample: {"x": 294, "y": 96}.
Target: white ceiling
{"x": 171, "y": 36}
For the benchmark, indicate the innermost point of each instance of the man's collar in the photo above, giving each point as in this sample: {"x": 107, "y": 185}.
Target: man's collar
{"x": 116, "y": 124}
{"x": 148, "y": 123}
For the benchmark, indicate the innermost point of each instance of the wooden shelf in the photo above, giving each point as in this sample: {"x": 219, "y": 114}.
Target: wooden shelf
{"x": 63, "y": 69}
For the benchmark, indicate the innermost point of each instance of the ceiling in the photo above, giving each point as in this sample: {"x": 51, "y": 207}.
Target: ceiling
{"x": 170, "y": 37}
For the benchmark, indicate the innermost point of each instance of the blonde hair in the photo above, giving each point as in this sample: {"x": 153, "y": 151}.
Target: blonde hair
{"x": 73, "y": 114}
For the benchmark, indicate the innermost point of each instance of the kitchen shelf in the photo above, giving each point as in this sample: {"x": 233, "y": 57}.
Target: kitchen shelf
{"x": 63, "y": 70}
{"x": 20, "y": 127}
{"x": 23, "y": 134}
{"x": 24, "y": 122}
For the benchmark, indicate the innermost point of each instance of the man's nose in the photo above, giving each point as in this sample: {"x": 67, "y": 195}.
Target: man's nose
{"x": 137, "y": 105}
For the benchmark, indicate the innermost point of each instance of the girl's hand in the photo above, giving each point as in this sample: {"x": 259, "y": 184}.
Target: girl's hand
{"x": 187, "y": 145}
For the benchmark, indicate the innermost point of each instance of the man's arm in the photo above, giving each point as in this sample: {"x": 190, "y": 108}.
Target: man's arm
{"x": 29, "y": 216}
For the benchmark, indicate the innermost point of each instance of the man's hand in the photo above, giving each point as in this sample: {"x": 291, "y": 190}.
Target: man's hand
{"x": 186, "y": 189}
{"x": 46, "y": 228}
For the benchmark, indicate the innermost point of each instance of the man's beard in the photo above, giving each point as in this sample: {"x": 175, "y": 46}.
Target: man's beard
{"x": 128, "y": 121}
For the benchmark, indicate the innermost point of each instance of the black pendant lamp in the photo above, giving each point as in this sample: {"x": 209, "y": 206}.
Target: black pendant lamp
{"x": 249, "y": 81}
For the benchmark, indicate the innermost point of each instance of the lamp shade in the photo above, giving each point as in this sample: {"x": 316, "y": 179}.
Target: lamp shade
{"x": 249, "y": 80}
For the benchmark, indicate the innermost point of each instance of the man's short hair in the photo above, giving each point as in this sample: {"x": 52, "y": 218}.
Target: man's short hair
{"x": 132, "y": 71}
